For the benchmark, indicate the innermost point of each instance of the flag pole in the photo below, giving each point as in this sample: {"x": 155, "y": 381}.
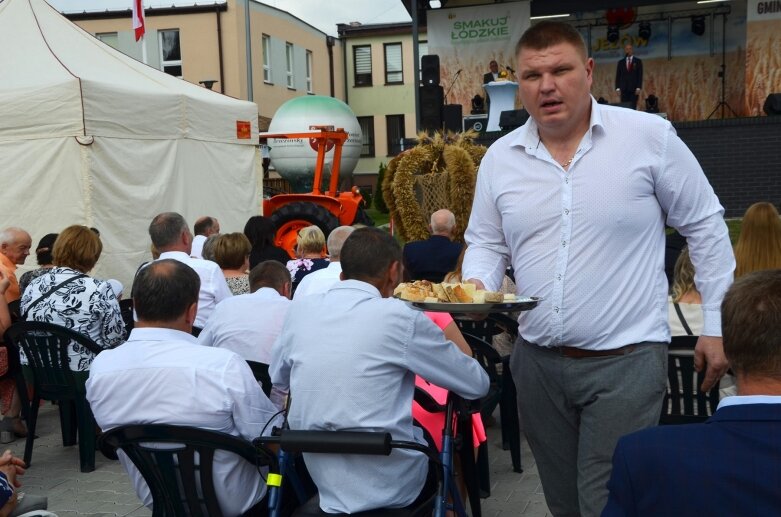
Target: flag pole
{"x": 143, "y": 50}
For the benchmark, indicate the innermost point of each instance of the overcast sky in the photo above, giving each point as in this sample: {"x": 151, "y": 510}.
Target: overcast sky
{"x": 323, "y": 14}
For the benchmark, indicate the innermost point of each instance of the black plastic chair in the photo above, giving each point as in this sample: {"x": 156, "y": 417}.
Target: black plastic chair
{"x": 46, "y": 346}
{"x": 181, "y": 485}
{"x": 260, "y": 371}
{"x": 478, "y": 335}
{"x": 684, "y": 403}
{"x": 376, "y": 443}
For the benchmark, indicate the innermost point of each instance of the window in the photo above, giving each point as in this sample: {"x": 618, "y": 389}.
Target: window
{"x": 289, "y": 65}
{"x": 395, "y": 125}
{"x": 393, "y": 71}
{"x": 367, "y": 135}
{"x": 170, "y": 52}
{"x": 109, "y": 38}
{"x": 266, "y": 44}
{"x": 422, "y": 51}
{"x": 309, "y": 72}
{"x": 362, "y": 64}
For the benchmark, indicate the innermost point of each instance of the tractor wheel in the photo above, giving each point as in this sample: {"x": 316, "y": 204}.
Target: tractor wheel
{"x": 361, "y": 217}
{"x": 290, "y": 218}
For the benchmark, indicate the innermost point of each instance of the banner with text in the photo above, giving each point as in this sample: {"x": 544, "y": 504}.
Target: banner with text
{"x": 466, "y": 39}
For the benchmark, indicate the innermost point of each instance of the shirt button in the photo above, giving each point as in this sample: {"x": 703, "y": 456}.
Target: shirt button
{"x": 564, "y": 244}
{"x": 566, "y": 211}
{"x": 555, "y": 309}
{"x": 566, "y": 180}
{"x": 558, "y": 277}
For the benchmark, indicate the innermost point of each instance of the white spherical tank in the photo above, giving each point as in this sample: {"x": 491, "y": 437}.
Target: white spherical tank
{"x": 294, "y": 159}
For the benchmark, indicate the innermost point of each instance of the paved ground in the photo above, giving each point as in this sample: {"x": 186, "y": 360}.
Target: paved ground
{"x": 107, "y": 490}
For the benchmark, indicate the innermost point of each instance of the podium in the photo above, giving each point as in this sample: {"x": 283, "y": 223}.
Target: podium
{"x": 502, "y": 96}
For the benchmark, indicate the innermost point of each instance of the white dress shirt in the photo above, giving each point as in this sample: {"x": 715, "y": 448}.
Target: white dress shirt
{"x": 350, "y": 357}
{"x": 590, "y": 240}
{"x": 320, "y": 281}
{"x": 197, "y": 247}
{"x": 247, "y": 324}
{"x": 161, "y": 376}
{"x": 214, "y": 289}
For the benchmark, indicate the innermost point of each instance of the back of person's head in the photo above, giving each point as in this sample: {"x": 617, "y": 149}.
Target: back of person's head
{"x": 269, "y": 273}
{"x": 759, "y": 243}
{"x": 231, "y": 250}
{"x": 207, "y": 251}
{"x": 166, "y": 229}
{"x": 43, "y": 252}
{"x": 77, "y": 247}
{"x": 751, "y": 324}
{"x": 260, "y": 231}
{"x": 204, "y": 225}
{"x": 683, "y": 275}
{"x": 336, "y": 240}
{"x": 442, "y": 222}
{"x": 164, "y": 290}
{"x": 310, "y": 240}
{"x": 368, "y": 253}
{"x": 546, "y": 34}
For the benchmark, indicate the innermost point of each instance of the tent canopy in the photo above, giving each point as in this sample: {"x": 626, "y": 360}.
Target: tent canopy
{"x": 91, "y": 136}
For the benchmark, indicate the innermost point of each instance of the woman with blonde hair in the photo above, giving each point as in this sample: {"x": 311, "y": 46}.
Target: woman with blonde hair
{"x": 231, "y": 253}
{"x": 67, "y": 296}
{"x": 310, "y": 253}
{"x": 759, "y": 244}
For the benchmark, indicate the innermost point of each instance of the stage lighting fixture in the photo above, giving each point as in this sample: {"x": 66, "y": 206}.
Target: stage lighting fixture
{"x": 698, "y": 25}
{"x": 644, "y": 31}
{"x": 612, "y": 33}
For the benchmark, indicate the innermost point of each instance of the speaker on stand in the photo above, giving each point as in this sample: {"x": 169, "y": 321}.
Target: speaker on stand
{"x": 431, "y": 102}
{"x": 429, "y": 69}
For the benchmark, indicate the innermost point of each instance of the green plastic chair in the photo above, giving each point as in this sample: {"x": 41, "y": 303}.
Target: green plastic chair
{"x": 46, "y": 346}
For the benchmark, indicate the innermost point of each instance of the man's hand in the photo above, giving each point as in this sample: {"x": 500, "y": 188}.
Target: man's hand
{"x": 709, "y": 353}
{"x": 12, "y": 466}
{"x": 478, "y": 283}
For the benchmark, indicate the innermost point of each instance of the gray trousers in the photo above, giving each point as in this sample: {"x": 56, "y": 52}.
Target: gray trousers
{"x": 575, "y": 410}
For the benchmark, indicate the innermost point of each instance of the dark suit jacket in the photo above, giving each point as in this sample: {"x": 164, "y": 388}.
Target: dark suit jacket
{"x": 487, "y": 78}
{"x": 431, "y": 259}
{"x": 730, "y": 465}
{"x": 628, "y": 80}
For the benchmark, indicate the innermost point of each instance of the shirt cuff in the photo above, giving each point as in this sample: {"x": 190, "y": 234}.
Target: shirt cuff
{"x": 711, "y": 322}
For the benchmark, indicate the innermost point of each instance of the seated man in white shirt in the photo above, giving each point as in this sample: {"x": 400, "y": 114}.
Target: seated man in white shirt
{"x": 161, "y": 375}
{"x": 203, "y": 228}
{"x": 349, "y": 357}
{"x": 321, "y": 280}
{"x": 249, "y": 324}
{"x": 171, "y": 236}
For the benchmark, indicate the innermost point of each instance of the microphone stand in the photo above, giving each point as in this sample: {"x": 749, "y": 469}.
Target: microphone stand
{"x": 452, "y": 83}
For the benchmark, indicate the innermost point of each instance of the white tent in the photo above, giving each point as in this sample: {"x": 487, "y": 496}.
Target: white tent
{"x": 90, "y": 136}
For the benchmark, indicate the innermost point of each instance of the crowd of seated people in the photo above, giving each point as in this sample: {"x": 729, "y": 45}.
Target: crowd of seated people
{"x": 252, "y": 314}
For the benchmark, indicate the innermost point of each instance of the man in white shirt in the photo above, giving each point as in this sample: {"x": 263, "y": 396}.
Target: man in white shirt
{"x": 349, "y": 357}
{"x": 161, "y": 376}
{"x": 249, "y": 324}
{"x": 577, "y": 204}
{"x": 204, "y": 228}
{"x": 171, "y": 236}
{"x": 321, "y": 280}
{"x": 729, "y": 464}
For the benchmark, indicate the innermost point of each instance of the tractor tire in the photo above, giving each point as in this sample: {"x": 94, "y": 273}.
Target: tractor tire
{"x": 304, "y": 211}
{"x": 361, "y": 217}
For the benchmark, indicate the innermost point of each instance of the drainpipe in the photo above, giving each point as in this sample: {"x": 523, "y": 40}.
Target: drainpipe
{"x": 343, "y": 39}
{"x": 219, "y": 47}
{"x": 329, "y": 41}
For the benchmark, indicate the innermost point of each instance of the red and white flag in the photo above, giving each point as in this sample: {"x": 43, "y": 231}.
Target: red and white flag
{"x": 138, "y": 18}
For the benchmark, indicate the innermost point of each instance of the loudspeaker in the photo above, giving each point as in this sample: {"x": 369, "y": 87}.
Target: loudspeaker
{"x": 451, "y": 117}
{"x": 773, "y": 104}
{"x": 476, "y": 122}
{"x": 513, "y": 118}
{"x": 429, "y": 69}
{"x": 431, "y": 101}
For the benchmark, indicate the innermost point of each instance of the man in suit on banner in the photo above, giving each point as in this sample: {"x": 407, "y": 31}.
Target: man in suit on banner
{"x": 629, "y": 76}
{"x": 730, "y": 464}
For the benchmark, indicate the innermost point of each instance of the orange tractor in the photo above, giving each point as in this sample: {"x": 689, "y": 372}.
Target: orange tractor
{"x": 327, "y": 210}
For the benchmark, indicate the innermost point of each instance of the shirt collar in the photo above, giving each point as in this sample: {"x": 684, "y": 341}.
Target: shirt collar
{"x": 160, "y": 334}
{"x": 176, "y": 255}
{"x": 528, "y": 135}
{"x": 739, "y": 400}
{"x": 359, "y": 285}
{"x": 266, "y": 293}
